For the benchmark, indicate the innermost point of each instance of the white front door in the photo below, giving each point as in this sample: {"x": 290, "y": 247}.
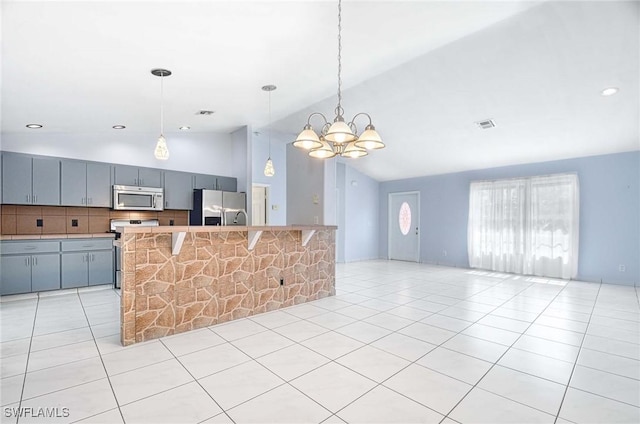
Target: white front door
{"x": 404, "y": 225}
{"x": 259, "y": 205}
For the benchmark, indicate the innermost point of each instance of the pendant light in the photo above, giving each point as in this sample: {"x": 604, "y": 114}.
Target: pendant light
{"x": 340, "y": 137}
{"x": 269, "y": 170}
{"x": 162, "y": 151}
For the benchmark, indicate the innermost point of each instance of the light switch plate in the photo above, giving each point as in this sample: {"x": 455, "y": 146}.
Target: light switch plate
{"x": 316, "y": 199}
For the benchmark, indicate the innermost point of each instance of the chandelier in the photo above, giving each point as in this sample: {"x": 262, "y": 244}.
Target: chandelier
{"x": 161, "y": 151}
{"x": 340, "y": 137}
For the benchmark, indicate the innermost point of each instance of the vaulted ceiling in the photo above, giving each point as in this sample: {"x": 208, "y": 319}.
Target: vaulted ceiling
{"x": 425, "y": 71}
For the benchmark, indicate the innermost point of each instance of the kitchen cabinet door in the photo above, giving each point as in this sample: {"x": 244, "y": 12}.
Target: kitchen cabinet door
{"x": 178, "y": 190}
{"x": 16, "y": 274}
{"x": 73, "y": 183}
{"x": 99, "y": 184}
{"x": 75, "y": 270}
{"x": 227, "y": 184}
{"x": 16, "y": 179}
{"x": 207, "y": 182}
{"x": 126, "y": 175}
{"x": 45, "y": 272}
{"x": 101, "y": 267}
{"x": 148, "y": 177}
{"x": 46, "y": 181}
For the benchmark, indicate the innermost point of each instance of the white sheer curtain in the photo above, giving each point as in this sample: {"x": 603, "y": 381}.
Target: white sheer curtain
{"x": 526, "y": 225}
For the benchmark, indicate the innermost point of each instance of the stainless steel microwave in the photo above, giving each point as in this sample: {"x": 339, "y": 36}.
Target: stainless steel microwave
{"x": 133, "y": 198}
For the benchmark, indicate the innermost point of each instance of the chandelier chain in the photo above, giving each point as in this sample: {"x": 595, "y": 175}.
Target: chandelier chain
{"x": 339, "y": 109}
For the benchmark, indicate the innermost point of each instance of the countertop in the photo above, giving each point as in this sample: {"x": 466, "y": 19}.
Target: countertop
{"x": 224, "y": 228}
{"x": 56, "y": 236}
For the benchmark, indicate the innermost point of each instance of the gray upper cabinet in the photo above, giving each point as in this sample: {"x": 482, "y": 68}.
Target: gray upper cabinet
{"x": 85, "y": 183}
{"x": 30, "y": 180}
{"x": 126, "y": 175}
{"x": 178, "y": 190}
{"x": 149, "y": 177}
{"x": 99, "y": 184}
{"x": 134, "y": 176}
{"x": 216, "y": 182}
{"x": 74, "y": 183}
{"x": 207, "y": 182}
{"x": 227, "y": 184}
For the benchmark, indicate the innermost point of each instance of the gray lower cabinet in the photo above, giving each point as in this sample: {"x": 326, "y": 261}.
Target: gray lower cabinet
{"x": 29, "y": 266}
{"x": 178, "y": 190}
{"x": 87, "y": 262}
{"x": 45, "y": 272}
{"x": 16, "y": 274}
{"x": 30, "y": 180}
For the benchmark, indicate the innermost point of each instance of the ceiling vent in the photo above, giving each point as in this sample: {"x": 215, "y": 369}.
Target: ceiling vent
{"x": 486, "y": 124}
{"x": 205, "y": 112}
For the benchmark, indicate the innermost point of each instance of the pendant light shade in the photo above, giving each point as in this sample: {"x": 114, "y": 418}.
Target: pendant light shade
{"x": 161, "y": 151}
{"x": 339, "y": 132}
{"x": 338, "y": 137}
{"x": 269, "y": 170}
{"x": 307, "y": 139}
{"x": 370, "y": 139}
{"x": 325, "y": 151}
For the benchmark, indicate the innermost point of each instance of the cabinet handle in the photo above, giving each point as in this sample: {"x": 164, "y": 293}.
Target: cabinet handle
{"x": 84, "y": 258}
{"x": 93, "y": 257}
{"x": 35, "y": 260}
{"x": 141, "y": 182}
{"x": 26, "y": 261}
{"x": 30, "y": 248}
{"x": 27, "y": 196}
{"x": 91, "y": 200}
{"x": 86, "y": 246}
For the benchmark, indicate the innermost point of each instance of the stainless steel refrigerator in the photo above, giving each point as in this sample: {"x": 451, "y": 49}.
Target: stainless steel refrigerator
{"x": 215, "y": 207}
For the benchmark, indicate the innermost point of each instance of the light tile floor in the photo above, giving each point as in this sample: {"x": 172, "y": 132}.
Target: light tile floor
{"x": 400, "y": 342}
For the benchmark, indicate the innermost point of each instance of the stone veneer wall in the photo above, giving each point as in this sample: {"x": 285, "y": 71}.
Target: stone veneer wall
{"x": 215, "y": 278}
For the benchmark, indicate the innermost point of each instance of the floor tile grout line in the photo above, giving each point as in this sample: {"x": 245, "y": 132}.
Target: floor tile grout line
{"x": 505, "y": 352}
{"x": 104, "y": 367}
{"x": 26, "y": 366}
{"x": 575, "y": 364}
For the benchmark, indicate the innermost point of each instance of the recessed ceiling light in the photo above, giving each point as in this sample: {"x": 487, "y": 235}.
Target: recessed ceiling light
{"x": 184, "y": 128}
{"x": 118, "y": 127}
{"x": 609, "y": 91}
{"x": 34, "y": 126}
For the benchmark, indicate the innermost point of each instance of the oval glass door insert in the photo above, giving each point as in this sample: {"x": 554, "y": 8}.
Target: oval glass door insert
{"x": 404, "y": 218}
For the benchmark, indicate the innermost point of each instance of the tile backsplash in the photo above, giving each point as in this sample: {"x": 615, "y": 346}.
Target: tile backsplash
{"x": 25, "y": 220}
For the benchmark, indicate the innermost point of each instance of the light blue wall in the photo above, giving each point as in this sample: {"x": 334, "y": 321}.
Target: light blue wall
{"x": 609, "y": 213}
{"x": 277, "y": 183}
{"x": 305, "y": 188}
{"x": 360, "y": 196}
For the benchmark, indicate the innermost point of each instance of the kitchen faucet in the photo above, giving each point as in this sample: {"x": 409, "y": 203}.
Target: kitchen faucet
{"x": 235, "y": 220}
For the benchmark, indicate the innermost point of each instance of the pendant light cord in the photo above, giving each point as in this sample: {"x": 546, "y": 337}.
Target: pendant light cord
{"x": 162, "y": 104}
{"x": 269, "y": 124}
